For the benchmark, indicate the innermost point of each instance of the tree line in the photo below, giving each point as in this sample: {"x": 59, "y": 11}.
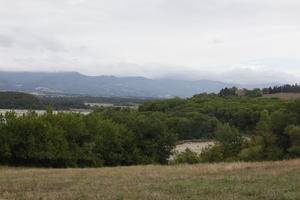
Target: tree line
{"x": 257, "y": 92}
{"x": 234, "y": 91}
{"x": 19, "y": 100}
{"x": 244, "y": 128}
{"x": 287, "y": 88}
{"x": 76, "y": 140}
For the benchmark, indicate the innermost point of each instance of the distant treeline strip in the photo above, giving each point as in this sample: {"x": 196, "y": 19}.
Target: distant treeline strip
{"x": 282, "y": 89}
{"x": 19, "y": 100}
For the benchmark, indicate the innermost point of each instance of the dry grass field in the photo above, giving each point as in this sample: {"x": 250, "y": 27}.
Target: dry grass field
{"x": 225, "y": 181}
{"x": 283, "y": 95}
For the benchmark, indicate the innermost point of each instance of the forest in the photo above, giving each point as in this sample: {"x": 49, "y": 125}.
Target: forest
{"x": 257, "y": 92}
{"x": 243, "y": 128}
{"x": 287, "y": 88}
{"x": 76, "y": 140}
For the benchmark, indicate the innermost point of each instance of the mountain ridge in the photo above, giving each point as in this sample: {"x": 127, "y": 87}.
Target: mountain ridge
{"x": 79, "y": 84}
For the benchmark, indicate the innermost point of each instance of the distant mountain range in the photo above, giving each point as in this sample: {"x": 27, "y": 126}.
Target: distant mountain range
{"x": 73, "y": 83}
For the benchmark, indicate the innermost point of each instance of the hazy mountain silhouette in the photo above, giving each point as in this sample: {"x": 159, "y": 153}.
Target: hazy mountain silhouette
{"x": 75, "y": 83}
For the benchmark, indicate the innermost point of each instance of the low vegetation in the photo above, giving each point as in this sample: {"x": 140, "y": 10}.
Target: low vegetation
{"x": 227, "y": 181}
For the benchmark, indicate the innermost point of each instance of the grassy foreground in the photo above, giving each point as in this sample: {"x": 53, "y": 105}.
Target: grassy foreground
{"x": 240, "y": 181}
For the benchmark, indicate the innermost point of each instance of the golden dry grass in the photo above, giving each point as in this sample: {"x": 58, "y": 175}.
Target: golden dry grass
{"x": 283, "y": 95}
{"x": 224, "y": 181}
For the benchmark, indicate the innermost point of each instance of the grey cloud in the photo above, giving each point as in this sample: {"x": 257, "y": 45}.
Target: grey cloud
{"x": 6, "y": 41}
{"x": 217, "y": 41}
{"x": 241, "y": 75}
{"x": 49, "y": 44}
{"x": 184, "y": 38}
{"x": 246, "y": 76}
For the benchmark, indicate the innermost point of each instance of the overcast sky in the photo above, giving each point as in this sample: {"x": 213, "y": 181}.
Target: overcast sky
{"x": 246, "y": 41}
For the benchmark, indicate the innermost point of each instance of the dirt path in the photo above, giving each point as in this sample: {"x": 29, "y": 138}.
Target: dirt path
{"x": 193, "y": 146}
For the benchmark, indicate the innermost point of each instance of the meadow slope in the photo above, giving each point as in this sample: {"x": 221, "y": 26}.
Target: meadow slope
{"x": 240, "y": 181}
{"x": 283, "y": 95}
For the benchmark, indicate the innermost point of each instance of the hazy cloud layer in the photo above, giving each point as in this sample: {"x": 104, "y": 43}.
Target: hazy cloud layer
{"x": 228, "y": 40}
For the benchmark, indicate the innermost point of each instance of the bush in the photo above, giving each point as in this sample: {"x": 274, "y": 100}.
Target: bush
{"x": 187, "y": 156}
{"x": 254, "y": 153}
{"x": 294, "y": 133}
{"x": 213, "y": 154}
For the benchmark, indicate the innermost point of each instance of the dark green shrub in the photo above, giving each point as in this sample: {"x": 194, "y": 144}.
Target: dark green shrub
{"x": 187, "y": 156}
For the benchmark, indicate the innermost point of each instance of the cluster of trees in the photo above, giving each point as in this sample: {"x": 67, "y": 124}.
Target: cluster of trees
{"x": 17, "y": 100}
{"x": 244, "y": 128}
{"x": 62, "y": 103}
{"x": 75, "y": 140}
{"x": 113, "y": 100}
{"x": 256, "y": 92}
{"x": 270, "y": 141}
{"x": 287, "y": 88}
{"x": 234, "y": 91}
{"x": 228, "y": 92}
{"x": 198, "y": 117}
